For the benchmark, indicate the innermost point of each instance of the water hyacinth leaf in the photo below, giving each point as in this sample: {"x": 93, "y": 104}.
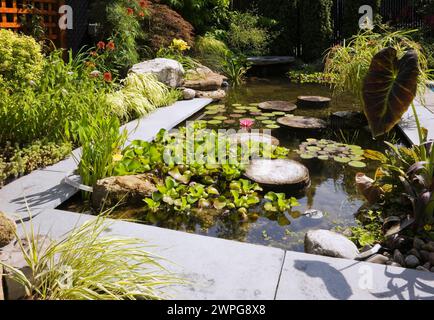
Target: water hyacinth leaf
{"x": 389, "y": 88}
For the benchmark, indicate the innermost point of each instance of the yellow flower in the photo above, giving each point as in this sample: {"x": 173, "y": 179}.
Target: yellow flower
{"x": 427, "y": 227}
{"x": 117, "y": 157}
{"x": 180, "y": 45}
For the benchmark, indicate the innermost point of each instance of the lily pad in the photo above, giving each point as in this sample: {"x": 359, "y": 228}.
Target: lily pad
{"x": 342, "y": 159}
{"x": 357, "y": 164}
{"x": 212, "y": 112}
{"x": 220, "y": 118}
{"x": 214, "y": 122}
{"x": 268, "y": 121}
{"x": 262, "y": 118}
{"x": 230, "y": 121}
{"x": 235, "y": 115}
{"x": 272, "y": 126}
{"x": 240, "y": 111}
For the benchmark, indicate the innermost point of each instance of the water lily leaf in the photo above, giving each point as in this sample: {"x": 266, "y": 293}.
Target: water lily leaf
{"x": 389, "y": 88}
{"x": 272, "y": 126}
{"x": 357, "y": 164}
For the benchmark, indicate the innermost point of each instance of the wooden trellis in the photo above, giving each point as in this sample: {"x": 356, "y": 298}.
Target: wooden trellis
{"x": 11, "y": 12}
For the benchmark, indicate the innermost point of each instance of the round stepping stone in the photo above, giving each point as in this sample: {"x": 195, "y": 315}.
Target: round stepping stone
{"x": 313, "y": 101}
{"x": 284, "y": 106}
{"x": 299, "y": 122}
{"x": 278, "y": 173}
{"x": 256, "y": 137}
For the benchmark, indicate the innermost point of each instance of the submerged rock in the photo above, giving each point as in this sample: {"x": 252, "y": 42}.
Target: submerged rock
{"x": 131, "y": 189}
{"x": 331, "y": 244}
{"x": 167, "y": 71}
{"x": 279, "y": 172}
{"x": 8, "y": 230}
{"x": 299, "y": 122}
{"x": 284, "y": 106}
{"x": 204, "y": 79}
{"x": 348, "y": 120}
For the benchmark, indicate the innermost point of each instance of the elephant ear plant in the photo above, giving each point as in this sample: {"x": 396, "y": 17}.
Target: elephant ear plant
{"x": 389, "y": 89}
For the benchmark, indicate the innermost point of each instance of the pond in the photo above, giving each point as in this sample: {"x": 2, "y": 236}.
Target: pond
{"x": 331, "y": 197}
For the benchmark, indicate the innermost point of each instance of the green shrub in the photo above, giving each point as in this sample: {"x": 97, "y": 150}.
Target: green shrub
{"x": 246, "y": 36}
{"x": 211, "y": 52}
{"x": 16, "y": 161}
{"x": 65, "y": 92}
{"x": 316, "y": 27}
{"x": 141, "y": 94}
{"x": 21, "y": 59}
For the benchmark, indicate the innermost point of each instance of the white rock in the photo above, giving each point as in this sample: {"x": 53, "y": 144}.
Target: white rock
{"x": 328, "y": 243}
{"x": 167, "y": 71}
{"x": 188, "y": 94}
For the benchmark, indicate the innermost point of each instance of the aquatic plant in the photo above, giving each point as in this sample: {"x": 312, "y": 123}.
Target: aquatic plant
{"x": 87, "y": 265}
{"x": 324, "y": 149}
{"x": 235, "y": 68}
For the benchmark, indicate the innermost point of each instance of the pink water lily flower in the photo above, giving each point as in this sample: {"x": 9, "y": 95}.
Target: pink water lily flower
{"x": 247, "y": 123}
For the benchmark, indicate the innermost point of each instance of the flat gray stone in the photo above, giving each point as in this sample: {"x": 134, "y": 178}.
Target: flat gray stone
{"x": 46, "y": 189}
{"x": 167, "y": 71}
{"x": 308, "y": 277}
{"x": 216, "y": 268}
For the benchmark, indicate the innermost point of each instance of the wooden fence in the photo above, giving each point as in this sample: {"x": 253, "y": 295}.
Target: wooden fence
{"x": 13, "y": 12}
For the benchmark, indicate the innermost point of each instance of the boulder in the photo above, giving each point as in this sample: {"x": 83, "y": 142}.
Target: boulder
{"x": 204, "y": 79}
{"x": 216, "y": 95}
{"x": 188, "y": 94}
{"x": 331, "y": 244}
{"x": 132, "y": 189}
{"x": 168, "y": 71}
{"x": 8, "y": 230}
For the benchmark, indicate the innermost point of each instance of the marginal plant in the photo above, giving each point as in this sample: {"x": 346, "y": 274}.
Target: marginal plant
{"x": 88, "y": 265}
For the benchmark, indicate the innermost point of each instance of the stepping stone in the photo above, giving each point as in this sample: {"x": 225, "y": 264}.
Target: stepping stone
{"x": 299, "y": 122}
{"x": 284, "y": 106}
{"x": 313, "y": 102}
{"x": 256, "y": 137}
{"x": 278, "y": 173}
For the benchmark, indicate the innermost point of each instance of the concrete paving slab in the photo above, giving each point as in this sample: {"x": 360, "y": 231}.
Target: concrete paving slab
{"x": 45, "y": 189}
{"x": 408, "y": 123}
{"x": 216, "y": 268}
{"x": 309, "y": 277}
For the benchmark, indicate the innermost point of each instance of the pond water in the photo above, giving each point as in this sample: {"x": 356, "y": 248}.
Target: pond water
{"x": 332, "y": 190}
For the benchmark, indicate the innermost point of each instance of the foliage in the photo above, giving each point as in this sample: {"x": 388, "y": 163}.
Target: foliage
{"x": 16, "y": 161}
{"x": 235, "y": 68}
{"x": 211, "y": 52}
{"x": 316, "y": 27}
{"x": 407, "y": 176}
{"x": 203, "y": 14}
{"x": 125, "y": 18}
{"x": 21, "y": 59}
{"x": 315, "y": 77}
{"x": 201, "y": 182}
{"x": 369, "y": 228}
{"x": 279, "y": 203}
{"x": 350, "y": 62}
{"x": 164, "y": 25}
{"x": 245, "y": 36}
{"x": 141, "y": 94}
{"x": 64, "y": 92}
{"x": 176, "y": 51}
{"x": 87, "y": 265}
{"x": 389, "y": 87}
{"x": 101, "y": 139}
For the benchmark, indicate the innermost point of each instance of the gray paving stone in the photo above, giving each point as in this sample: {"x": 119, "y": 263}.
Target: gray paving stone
{"x": 215, "y": 268}
{"x": 45, "y": 189}
{"x": 308, "y": 277}
{"x": 408, "y": 124}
